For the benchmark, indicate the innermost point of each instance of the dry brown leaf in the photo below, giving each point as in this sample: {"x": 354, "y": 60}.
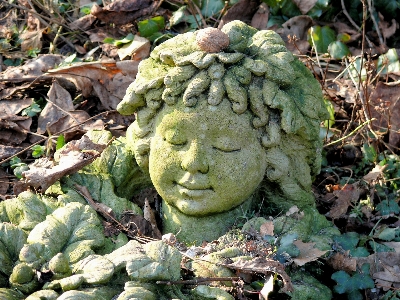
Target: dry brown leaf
{"x": 267, "y": 228}
{"x": 242, "y": 10}
{"x": 260, "y": 18}
{"x": 32, "y": 68}
{"x": 7, "y": 151}
{"x": 139, "y": 49}
{"x": 100, "y": 79}
{"x": 296, "y": 27}
{"x": 74, "y": 156}
{"x": 375, "y": 173}
{"x": 385, "y": 108}
{"x": 307, "y": 253}
{"x": 136, "y": 224}
{"x": 31, "y": 40}
{"x": 340, "y": 261}
{"x": 349, "y": 193}
{"x": 384, "y": 268}
{"x": 59, "y": 105}
{"x": 14, "y": 129}
{"x": 122, "y": 12}
{"x": 150, "y": 216}
{"x": 305, "y": 5}
{"x": 263, "y": 266}
{"x": 4, "y": 182}
{"x": 13, "y": 107}
{"x": 386, "y": 29}
{"x": 83, "y": 23}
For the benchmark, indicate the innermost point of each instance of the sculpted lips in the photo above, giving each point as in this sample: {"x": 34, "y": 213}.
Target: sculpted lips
{"x": 193, "y": 188}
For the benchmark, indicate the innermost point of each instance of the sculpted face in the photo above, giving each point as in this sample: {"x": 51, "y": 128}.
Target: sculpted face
{"x": 205, "y": 159}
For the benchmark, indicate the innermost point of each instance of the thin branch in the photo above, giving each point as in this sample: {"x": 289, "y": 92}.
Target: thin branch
{"x": 370, "y": 44}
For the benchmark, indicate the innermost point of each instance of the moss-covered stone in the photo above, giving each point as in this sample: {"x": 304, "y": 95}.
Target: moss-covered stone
{"x": 245, "y": 119}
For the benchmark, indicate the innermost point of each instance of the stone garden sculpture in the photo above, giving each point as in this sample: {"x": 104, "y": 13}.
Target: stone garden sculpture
{"x": 226, "y": 122}
{"x": 223, "y": 119}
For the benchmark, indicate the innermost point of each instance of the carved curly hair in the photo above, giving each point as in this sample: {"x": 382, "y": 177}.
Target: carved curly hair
{"x": 256, "y": 73}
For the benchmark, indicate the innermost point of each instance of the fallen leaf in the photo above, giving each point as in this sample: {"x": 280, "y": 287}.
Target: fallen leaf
{"x": 340, "y": 261}
{"x": 137, "y": 225}
{"x": 386, "y": 29}
{"x": 345, "y": 196}
{"x": 4, "y": 183}
{"x": 375, "y": 173}
{"x": 122, "y": 12}
{"x": 43, "y": 173}
{"x": 260, "y": 18}
{"x": 267, "y": 228}
{"x": 305, "y": 5}
{"x": 13, "y": 107}
{"x": 139, "y": 48}
{"x": 31, "y": 40}
{"x": 307, "y": 253}
{"x": 59, "y": 105}
{"x": 385, "y": 108}
{"x": 7, "y": 151}
{"x": 294, "y": 33}
{"x": 99, "y": 79}
{"x": 83, "y": 23}
{"x": 150, "y": 216}
{"x": 14, "y": 129}
{"x": 242, "y": 10}
{"x": 263, "y": 266}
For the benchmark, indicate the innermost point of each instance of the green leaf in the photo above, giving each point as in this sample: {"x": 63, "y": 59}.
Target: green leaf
{"x": 387, "y": 207}
{"x": 109, "y": 40}
{"x": 38, "y": 151}
{"x": 338, "y": 50}
{"x": 211, "y": 8}
{"x": 15, "y": 161}
{"x": 32, "y": 110}
{"x": 377, "y": 247}
{"x": 129, "y": 38}
{"x": 352, "y": 285}
{"x": 348, "y": 240}
{"x": 60, "y": 141}
{"x": 329, "y": 123}
{"x": 369, "y": 152}
{"x": 389, "y": 62}
{"x": 319, "y": 8}
{"x": 321, "y": 37}
{"x": 387, "y": 234}
{"x": 343, "y": 37}
{"x": 151, "y": 26}
{"x": 178, "y": 16}
{"x": 20, "y": 169}
{"x": 359, "y": 252}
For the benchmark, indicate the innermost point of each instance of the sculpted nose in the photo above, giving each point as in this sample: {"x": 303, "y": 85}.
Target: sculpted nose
{"x": 195, "y": 160}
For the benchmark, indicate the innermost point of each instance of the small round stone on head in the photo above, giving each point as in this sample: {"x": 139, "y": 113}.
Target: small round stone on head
{"x": 212, "y": 40}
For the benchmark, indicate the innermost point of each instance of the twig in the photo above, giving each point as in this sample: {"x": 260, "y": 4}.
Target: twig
{"x": 351, "y": 133}
{"x": 370, "y": 44}
{"x": 84, "y": 192}
{"x": 41, "y": 19}
{"x": 371, "y": 12}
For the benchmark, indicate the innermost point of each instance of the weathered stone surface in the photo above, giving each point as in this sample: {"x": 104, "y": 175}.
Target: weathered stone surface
{"x": 215, "y": 126}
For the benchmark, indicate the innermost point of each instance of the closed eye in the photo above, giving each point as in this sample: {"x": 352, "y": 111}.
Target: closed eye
{"x": 226, "y": 150}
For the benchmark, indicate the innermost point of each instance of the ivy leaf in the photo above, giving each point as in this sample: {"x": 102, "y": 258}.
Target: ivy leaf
{"x": 38, "y": 151}
{"x": 321, "y": 37}
{"x": 338, "y": 50}
{"x": 349, "y": 241}
{"x": 387, "y": 234}
{"x": 150, "y": 26}
{"x": 178, "y": 16}
{"x": 352, "y": 284}
{"x": 386, "y": 207}
{"x": 32, "y": 110}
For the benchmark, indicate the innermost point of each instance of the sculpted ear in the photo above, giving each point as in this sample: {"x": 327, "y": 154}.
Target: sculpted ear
{"x": 141, "y": 151}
